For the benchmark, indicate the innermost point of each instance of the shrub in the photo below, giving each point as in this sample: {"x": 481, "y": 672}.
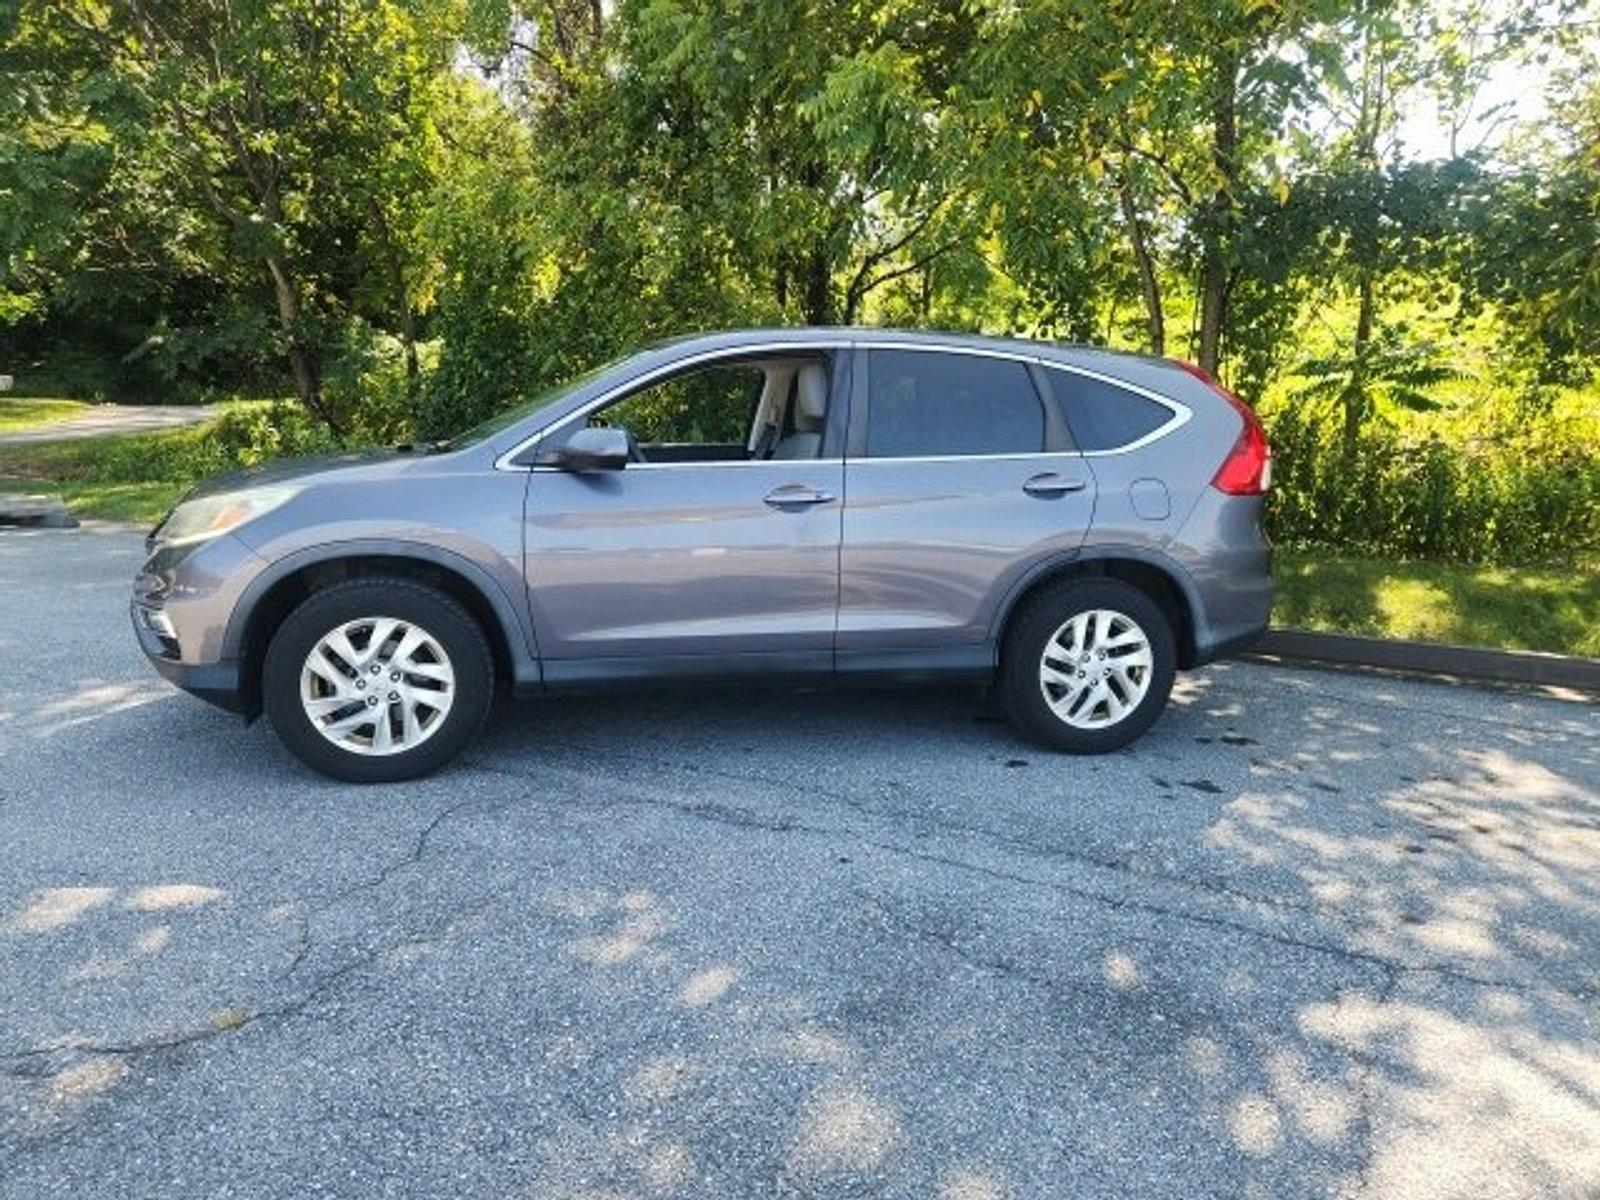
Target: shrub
{"x": 1517, "y": 500}
{"x": 245, "y": 434}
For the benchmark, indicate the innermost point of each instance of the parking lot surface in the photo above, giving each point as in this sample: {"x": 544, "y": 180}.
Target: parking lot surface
{"x": 1316, "y": 934}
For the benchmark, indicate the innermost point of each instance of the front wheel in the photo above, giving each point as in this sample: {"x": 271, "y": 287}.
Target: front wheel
{"x": 377, "y": 680}
{"x": 1088, "y": 665}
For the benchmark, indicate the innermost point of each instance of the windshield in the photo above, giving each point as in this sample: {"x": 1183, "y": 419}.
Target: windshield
{"x": 508, "y": 417}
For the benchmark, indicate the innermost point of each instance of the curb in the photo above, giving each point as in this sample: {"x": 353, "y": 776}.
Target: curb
{"x": 35, "y": 512}
{"x": 1429, "y": 658}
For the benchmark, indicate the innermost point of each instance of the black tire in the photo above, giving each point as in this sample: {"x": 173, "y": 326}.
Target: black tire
{"x": 323, "y": 611}
{"x": 1036, "y": 623}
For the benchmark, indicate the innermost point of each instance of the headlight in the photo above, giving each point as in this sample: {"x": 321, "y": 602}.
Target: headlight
{"x": 211, "y": 516}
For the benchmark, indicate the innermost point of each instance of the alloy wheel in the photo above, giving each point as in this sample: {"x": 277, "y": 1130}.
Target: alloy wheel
{"x": 1096, "y": 668}
{"x": 377, "y": 686}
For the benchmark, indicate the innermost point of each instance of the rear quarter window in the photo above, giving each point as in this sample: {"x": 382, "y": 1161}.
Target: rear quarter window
{"x": 1103, "y": 416}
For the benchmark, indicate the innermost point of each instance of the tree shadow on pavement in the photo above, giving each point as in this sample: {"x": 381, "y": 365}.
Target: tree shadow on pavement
{"x": 1316, "y": 933}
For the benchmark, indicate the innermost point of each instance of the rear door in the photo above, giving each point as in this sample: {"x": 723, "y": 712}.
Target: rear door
{"x": 959, "y": 475}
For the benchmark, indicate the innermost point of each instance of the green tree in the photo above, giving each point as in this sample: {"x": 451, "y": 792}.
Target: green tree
{"x": 282, "y": 139}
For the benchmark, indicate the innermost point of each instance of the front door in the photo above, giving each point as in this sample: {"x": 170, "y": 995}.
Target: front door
{"x": 716, "y": 551}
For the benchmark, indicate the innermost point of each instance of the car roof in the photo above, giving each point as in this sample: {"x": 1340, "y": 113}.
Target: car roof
{"x": 1143, "y": 369}
{"x": 719, "y": 338}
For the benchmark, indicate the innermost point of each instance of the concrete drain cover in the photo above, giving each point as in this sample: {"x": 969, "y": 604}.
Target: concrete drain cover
{"x": 35, "y": 512}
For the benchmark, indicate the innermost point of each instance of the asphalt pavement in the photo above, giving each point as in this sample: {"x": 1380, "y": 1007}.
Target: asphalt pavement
{"x": 1316, "y": 934}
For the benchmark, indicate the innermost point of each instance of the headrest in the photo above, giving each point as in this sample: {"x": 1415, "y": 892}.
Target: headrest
{"x": 811, "y": 392}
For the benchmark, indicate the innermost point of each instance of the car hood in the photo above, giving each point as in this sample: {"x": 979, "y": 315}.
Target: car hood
{"x": 289, "y": 469}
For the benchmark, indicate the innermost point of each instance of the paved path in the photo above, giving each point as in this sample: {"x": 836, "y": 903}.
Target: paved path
{"x": 1317, "y": 934}
{"x": 104, "y": 419}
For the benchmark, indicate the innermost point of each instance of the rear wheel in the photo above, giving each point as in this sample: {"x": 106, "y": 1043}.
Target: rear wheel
{"x": 1088, "y": 665}
{"x": 377, "y": 680}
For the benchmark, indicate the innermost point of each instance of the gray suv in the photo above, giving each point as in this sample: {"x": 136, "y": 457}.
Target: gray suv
{"x": 758, "y": 506}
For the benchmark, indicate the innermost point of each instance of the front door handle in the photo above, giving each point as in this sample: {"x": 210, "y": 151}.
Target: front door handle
{"x": 1052, "y": 484}
{"x": 796, "y": 495}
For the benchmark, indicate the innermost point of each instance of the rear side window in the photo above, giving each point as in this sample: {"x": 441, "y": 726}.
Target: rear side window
{"x": 922, "y": 403}
{"x": 1103, "y": 416}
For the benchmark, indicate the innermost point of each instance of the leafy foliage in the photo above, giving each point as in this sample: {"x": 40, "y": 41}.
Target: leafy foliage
{"x": 1530, "y": 496}
{"x": 412, "y": 214}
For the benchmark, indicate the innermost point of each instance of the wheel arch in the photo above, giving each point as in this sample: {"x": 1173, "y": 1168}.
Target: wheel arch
{"x": 276, "y": 591}
{"x": 1163, "y": 580}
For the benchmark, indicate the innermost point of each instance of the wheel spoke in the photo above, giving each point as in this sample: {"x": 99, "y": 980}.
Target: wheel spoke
{"x": 1123, "y": 662}
{"x": 323, "y": 666}
{"x": 383, "y": 730}
{"x": 1131, "y": 688}
{"x": 1068, "y": 700}
{"x": 427, "y": 697}
{"x": 1080, "y": 633}
{"x": 326, "y": 706}
{"x": 1056, "y": 652}
{"x": 1116, "y": 706}
{"x": 1088, "y": 701}
{"x": 349, "y": 724}
{"x": 409, "y": 642}
{"x": 382, "y": 630}
{"x": 1102, "y": 629}
{"x": 339, "y": 642}
{"x": 410, "y": 727}
{"x": 1057, "y": 677}
{"x": 428, "y": 670}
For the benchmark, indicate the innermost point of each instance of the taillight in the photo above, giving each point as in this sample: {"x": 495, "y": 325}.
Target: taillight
{"x": 1247, "y": 471}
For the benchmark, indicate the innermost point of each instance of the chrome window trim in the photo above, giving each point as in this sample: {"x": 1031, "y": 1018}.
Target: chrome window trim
{"x": 709, "y": 462}
{"x": 931, "y": 458}
{"x": 1181, "y": 413}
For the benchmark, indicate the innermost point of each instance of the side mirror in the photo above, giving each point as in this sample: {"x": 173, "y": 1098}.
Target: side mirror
{"x": 595, "y": 448}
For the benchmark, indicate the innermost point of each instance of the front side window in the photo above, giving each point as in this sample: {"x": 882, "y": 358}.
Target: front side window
{"x": 703, "y": 414}
{"x": 1103, "y": 416}
{"x": 728, "y": 412}
{"x": 932, "y": 403}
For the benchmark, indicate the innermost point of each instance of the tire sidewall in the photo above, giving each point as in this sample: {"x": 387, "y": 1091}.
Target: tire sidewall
{"x": 1038, "y": 621}
{"x": 444, "y": 619}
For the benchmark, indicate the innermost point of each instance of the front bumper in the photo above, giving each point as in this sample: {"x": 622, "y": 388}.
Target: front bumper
{"x": 216, "y": 683}
{"x": 183, "y": 598}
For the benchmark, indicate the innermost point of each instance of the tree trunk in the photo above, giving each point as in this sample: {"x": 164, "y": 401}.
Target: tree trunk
{"x": 1355, "y": 396}
{"x": 408, "y": 327}
{"x": 1374, "y": 81}
{"x": 400, "y": 297}
{"x": 408, "y": 338}
{"x": 1217, "y": 232}
{"x": 303, "y": 361}
{"x": 818, "y": 288}
{"x": 1149, "y": 283}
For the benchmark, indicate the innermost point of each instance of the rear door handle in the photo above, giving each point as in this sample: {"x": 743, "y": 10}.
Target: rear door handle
{"x": 1052, "y": 484}
{"x": 796, "y": 495}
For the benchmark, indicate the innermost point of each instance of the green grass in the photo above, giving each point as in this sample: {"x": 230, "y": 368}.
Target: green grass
{"x": 127, "y": 477}
{"x": 167, "y": 454}
{"x": 1514, "y": 608}
{"x": 20, "y": 413}
{"x": 138, "y": 503}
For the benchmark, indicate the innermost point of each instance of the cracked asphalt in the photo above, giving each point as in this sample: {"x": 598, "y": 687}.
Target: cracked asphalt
{"x": 1317, "y": 934}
